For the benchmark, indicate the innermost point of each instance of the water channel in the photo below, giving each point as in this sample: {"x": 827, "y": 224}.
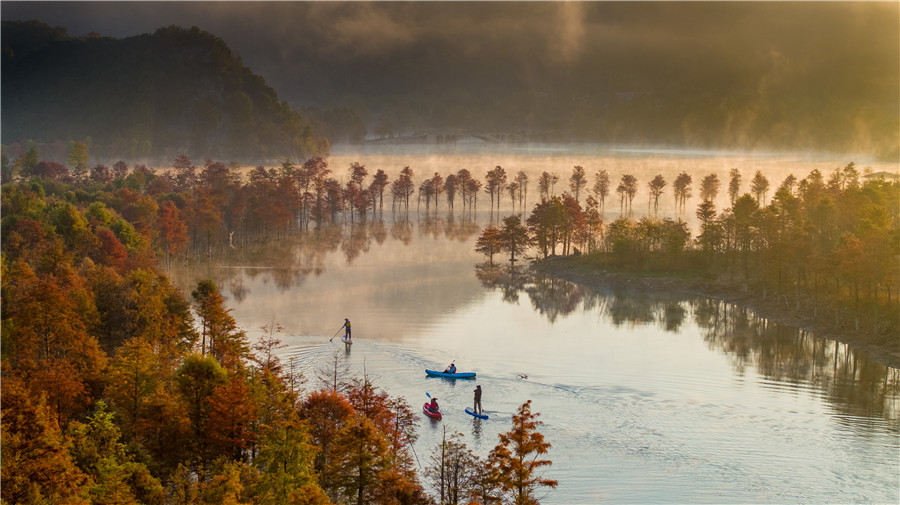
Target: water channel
{"x": 646, "y": 397}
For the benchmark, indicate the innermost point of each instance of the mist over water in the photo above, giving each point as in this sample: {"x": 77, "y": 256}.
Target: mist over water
{"x": 642, "y": 162}
{"x": 646, "y": 397}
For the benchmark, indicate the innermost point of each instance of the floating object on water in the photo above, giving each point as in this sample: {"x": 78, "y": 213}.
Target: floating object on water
{"x": 473, "y": 413}
{"x": 429, "y": 413}
{"x": 456, "y": 375}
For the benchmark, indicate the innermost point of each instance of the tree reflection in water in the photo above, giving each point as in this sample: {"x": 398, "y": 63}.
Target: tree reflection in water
{"x": 853, "y": 381}
{"x": 289, "y": 262}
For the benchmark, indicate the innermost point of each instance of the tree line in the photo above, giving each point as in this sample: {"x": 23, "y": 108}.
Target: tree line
{"x": 826, "y": 243}
{"x": 821, "y": 245}
{"x": 198, "y": 211}
{"x": 117, "y": 388}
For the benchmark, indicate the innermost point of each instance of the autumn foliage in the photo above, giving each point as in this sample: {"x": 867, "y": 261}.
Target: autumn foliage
{"x": 119, "y": 388}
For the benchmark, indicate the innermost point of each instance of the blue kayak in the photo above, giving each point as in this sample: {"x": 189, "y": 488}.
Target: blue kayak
{"x": 457, "y": 375}
{"x": 472, "y": 413}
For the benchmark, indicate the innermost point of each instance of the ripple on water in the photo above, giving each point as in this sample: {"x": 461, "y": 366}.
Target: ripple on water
{"x": 662, "y": 436}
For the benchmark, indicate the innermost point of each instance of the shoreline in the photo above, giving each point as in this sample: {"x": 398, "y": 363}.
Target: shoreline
{"x": 569, "y": 269}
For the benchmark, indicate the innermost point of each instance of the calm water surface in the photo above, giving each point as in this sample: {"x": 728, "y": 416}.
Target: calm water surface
{"x": 646, "y": 398}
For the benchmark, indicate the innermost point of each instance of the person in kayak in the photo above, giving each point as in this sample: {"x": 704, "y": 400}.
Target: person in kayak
{"x": 477, "y": 407}
{"x": 347, "y": 337}
{"x": 451, "y": 368}
{"x": 434, "y": 405}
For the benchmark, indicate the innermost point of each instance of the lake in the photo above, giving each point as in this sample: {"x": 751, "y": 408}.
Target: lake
{"x": 646, "y": 397}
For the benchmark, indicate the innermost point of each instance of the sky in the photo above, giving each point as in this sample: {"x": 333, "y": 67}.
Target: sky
{"x": 289, "y": 43}
{"x": 753, "y": 70}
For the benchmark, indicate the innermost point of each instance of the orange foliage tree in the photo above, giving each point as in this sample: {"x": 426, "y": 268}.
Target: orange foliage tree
{"x": 514, "y": 464}
{"x": 36, "y": 464}
{"x": 230, "y": 425}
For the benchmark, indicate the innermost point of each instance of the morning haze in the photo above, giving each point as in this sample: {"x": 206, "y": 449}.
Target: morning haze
{"x": 621, "y": 252}
{"x": 807, "y": 75}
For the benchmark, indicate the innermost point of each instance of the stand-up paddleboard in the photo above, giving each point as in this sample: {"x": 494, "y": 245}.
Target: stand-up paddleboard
{"x": 446, "y": 375}
{"x": 473, "y": 413}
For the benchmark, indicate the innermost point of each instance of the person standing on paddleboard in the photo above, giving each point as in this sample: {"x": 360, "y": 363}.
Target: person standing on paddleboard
{"x": 347, "y": 330}
{"x": 477, "y": 407}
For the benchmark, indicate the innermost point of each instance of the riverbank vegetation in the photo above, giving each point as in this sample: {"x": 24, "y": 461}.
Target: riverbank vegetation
{"x": 135, "y": 391}
{"x": 118, "y": 388}
{"x": 825, "y": 252}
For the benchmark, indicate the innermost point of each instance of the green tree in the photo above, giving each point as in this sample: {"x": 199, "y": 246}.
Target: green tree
{"x": 656, "y": 187}
{"x": 454, "y": 470}
{"x": 709, "y": 187}
{"x": 78, "y": 159}
{"x": 759, "y": 185}
{"x": 711, "y": 233}
{"x": 99, "y": 453}
{"x": 744, "y": 210}
{"x": 133, "y": 378}
{"x": 629, "y": 189}
{"x": 494, "y": 184}
{"x": 196, "y": 380}
{"x": 28, "y": 161}
{"x": 545, "y": 181}
{"x": 734, "y": 185}
{"x": 286, "y": 460}
{"x": 547, "y": 224}
{"x": 601, "y": 188}
{"x": 522, "y": 186}
{"x": 682, "y": 188}
{"x": 360, "y": 455}
{"x": 514, "y": 236}
{"x": 227, "y": 343}
{"x": 578, "y": 181}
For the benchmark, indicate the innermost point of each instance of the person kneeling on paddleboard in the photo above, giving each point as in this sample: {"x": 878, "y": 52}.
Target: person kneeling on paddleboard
{"x": 477, "y": 407}
{"x": 434, "y": 405}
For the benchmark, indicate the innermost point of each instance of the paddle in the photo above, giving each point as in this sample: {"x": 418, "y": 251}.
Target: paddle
{"x": 335, "y": 333}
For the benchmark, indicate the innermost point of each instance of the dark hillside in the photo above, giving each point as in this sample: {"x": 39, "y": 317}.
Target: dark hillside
{"x": 150, "y": 96}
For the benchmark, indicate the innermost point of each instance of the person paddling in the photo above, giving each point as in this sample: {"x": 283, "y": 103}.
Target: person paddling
{"x": 347, "y": 337}
{"x": 434, "y": 405}
{"x": 451, "y": 368}
{"x": 477, "y": 407}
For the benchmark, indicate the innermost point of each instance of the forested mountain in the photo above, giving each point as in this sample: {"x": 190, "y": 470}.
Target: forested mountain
{"x": 150, "y": 96}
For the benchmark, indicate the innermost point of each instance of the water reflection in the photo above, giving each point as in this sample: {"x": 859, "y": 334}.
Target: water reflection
{"x": 854, "y": 382}
{"x": 288, "y": 263}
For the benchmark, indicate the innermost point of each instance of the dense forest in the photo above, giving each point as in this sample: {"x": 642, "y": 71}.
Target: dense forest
{"x": 147, "y": 97}
{"x": 138, "y": 393}
{"x": 118, "y": 388}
